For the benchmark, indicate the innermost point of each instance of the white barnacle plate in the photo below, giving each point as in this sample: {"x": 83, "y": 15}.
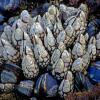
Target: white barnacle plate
{"x": 49, "y": 41}
{"x": 29, "y": 66}
{"x": 59, "y": 70}
{"x": 10, "y": 54}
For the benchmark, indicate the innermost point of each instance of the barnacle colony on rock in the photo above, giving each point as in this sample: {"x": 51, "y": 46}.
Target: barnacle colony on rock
{"x": 53, "y": 44}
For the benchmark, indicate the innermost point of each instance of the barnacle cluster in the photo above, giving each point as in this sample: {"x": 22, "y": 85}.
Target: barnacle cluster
{"x": 54, "y": 47}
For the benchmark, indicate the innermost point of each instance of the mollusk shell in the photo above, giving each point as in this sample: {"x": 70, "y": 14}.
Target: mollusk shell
{"x": 94, "y": 71}
{"x": 25, "y": 87}
{"x": 10, "y": 73}
{"x": 93, "y": 27}
{"x": 47, "y": 84}
{"x": 8, "y": 77}
{"x": 82, "y": 83}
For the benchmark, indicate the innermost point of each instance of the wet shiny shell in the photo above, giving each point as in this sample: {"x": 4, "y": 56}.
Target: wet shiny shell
{"x": 47, "y": 84}
{"x": 82, "y": 83}
{"x": 93, "y": 27}
{"x": 94, "y": 71}
{"x": 8, "y": 77}
{"x": 10, "y": 73}
{"x": 25, "y": 87}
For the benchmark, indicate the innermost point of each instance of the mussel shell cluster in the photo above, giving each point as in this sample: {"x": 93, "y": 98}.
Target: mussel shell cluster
{"x": 50, "y": 54}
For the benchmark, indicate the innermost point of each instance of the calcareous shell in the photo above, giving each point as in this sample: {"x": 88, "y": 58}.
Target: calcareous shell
{"x": 47, "y": 84}
{"x": 66, "y": 85}
{"x": 25, "y": 87}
